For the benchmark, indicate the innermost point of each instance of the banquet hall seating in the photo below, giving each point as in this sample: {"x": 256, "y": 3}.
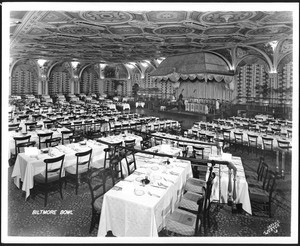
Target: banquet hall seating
{"x": 21, "y": 146}
{"x": 48, "y": 124}
{"x": 261, "y": 197}
{"x": 77, "y": 136}
{"x": 96, "y": 179}
{"x": 43, "y": 137}
{"x": 263, "y": 129}
{"x": 260, "y": 178}
{"x": 77, "y": 173}
{"x": 146, "y": 143}
{"x": 194, "y": 184}
{"x": 13, "y": 127}
{"x": 65, "y": 136}
{"x": 238, "y": 141}
{"x": 183, "y": 222}
{"x": 254, "y": 174}
{"x": 52, "y": 142}
{"x": 227, "y": 139}
{"x": 267, "y": 145}
{"x": 252, "y": 143}
{"x": 51, "y": 180}
{"x": 30, "y": 125}
{"x": 184, "y": 148}
{"x": 21, "y": 142}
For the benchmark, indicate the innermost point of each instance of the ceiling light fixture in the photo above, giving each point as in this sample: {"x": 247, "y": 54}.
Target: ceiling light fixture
{"x": 41, "y": 62}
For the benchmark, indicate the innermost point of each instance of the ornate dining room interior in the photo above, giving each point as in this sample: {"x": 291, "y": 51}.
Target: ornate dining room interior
{"x": 161, "y": 122}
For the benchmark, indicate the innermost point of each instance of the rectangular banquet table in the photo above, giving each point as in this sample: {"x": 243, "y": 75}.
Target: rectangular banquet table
{"x": 26, "y": 167}
{"x": 220, "y": 192}
{"x": 130, "y": 211}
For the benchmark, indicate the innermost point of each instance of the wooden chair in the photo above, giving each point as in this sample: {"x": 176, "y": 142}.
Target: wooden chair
{"x": 19, "y": 140}
{"x": 30, "y": 126}
{"x": 184, "y": 148}
{"x": 252, "y": 143}
{"x": 96, "y": 179}
{"x": 43, "y": 137}
{"x": 50, "y": 180}
{"x": 198, "y": 151}
{"x": 66, "y": 136}
{"x": 261, "y": 198}
{"x": 52, "y": 142}
{"x": 238, "y": 141}
{"x": 267, "y": 145}
{"x": 158, "y": 141}
{"x": 76, "y": 173}
{"x": 130, "y": 163}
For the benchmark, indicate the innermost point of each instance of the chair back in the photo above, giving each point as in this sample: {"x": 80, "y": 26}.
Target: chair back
{"x": 267, "y": 143}
{"x": 83, "y": 160}
{"x": 43, "y": 137}
{"x": 130, "y": 163}
{"x": 226, "y": 135}
{"x": 96, "y": 179}
{"x": 52, "y": 142}
{"x": 157, "y": 141}
{"x": 238, "y": 137}
{"x": 65, "y": 136}
{"x": 252, "y": 140}
{"x": 30, "y": 125}
{"x": 270, "y": 183}
{"x": 53, "y": 167}
{"x": 198, "y": 151}
{"x": 25, "y": 144}
{"x": 116, "y": 169}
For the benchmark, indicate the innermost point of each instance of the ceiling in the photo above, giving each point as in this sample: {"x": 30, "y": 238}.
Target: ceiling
{"x": 124, "y": 36}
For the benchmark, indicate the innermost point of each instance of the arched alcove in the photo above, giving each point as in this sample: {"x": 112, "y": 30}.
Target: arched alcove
{"x": 60, "y": 79}
{"x": 89, "y": 80}
{"x": 24, "y": 78}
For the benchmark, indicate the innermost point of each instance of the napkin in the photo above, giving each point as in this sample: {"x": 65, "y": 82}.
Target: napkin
{"x": 31, "y": 151}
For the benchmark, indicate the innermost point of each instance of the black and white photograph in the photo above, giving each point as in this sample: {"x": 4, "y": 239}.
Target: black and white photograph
{"x": 150, "y": 122}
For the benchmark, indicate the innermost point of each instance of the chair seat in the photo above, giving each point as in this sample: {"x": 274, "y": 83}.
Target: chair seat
{"x": 98, "y": 203}
{"x": 251, "y": 174}
{"x": 181, "y": 222}
{"x": 189, "y": 201}
{"x": 40, "y": 178}
{"x": 254, "y": 182}
{"x": 195, "y": 185}
{"x": 72, "y": 169}
{"x": 258, "y": 194}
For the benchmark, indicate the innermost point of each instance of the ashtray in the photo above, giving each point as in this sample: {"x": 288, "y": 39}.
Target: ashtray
{"x": 145, "y": 181}
{"x": 139, "y": 192}
{"x": 154, "y": 168}
{"x": 45, "y": 151}
{"x": 82, "y": 143}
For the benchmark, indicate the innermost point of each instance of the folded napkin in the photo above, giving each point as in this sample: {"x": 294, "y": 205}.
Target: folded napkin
{"x": 31, "y": 151}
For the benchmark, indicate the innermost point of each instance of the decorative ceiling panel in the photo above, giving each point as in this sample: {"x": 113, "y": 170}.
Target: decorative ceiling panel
{"x": 123, "y": 36}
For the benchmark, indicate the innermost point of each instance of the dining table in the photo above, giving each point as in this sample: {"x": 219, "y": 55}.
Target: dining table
{"x": 28, "y": 165}
{"x": 133, "y": 208}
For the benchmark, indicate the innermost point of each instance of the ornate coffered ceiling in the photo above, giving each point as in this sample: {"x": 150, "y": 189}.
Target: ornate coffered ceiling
{"x": 120, "y": 37}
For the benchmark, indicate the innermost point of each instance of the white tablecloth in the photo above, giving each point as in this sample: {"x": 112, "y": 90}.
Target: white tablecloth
{"x": 27, "y": 167}
{"x": 129, "y": 215}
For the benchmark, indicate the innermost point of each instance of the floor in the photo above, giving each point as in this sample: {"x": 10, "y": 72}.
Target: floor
{"x": 23, "y": 223}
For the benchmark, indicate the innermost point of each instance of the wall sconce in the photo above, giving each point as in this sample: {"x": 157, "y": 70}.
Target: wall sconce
{"x": 74, "y": 64}
{"x": 41, "y": 62}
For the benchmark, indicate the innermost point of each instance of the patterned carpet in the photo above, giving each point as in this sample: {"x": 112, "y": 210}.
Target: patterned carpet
{"x": 22, "y": 222}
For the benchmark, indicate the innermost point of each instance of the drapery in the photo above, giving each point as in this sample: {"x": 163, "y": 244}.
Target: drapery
{"x": 209, "y": 90}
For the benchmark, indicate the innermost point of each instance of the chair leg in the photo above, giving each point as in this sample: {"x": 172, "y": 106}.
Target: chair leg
{"x": 60, "y": 190}
{"x": 92, "y": 222}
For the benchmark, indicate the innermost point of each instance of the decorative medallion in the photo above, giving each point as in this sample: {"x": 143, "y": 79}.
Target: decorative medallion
{"x": 78, "y": 30}
{"x": 166, "y": 16}
{"x": 226, "y": 17}
{"x": 106, "y": 17}
{"x": 173, "y": 30}
{"x": 271, "y": 30}
{"x": 128, "y": 30}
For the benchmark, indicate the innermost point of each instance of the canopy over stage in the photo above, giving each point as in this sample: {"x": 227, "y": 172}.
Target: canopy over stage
{"x": 184, "y": 70}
